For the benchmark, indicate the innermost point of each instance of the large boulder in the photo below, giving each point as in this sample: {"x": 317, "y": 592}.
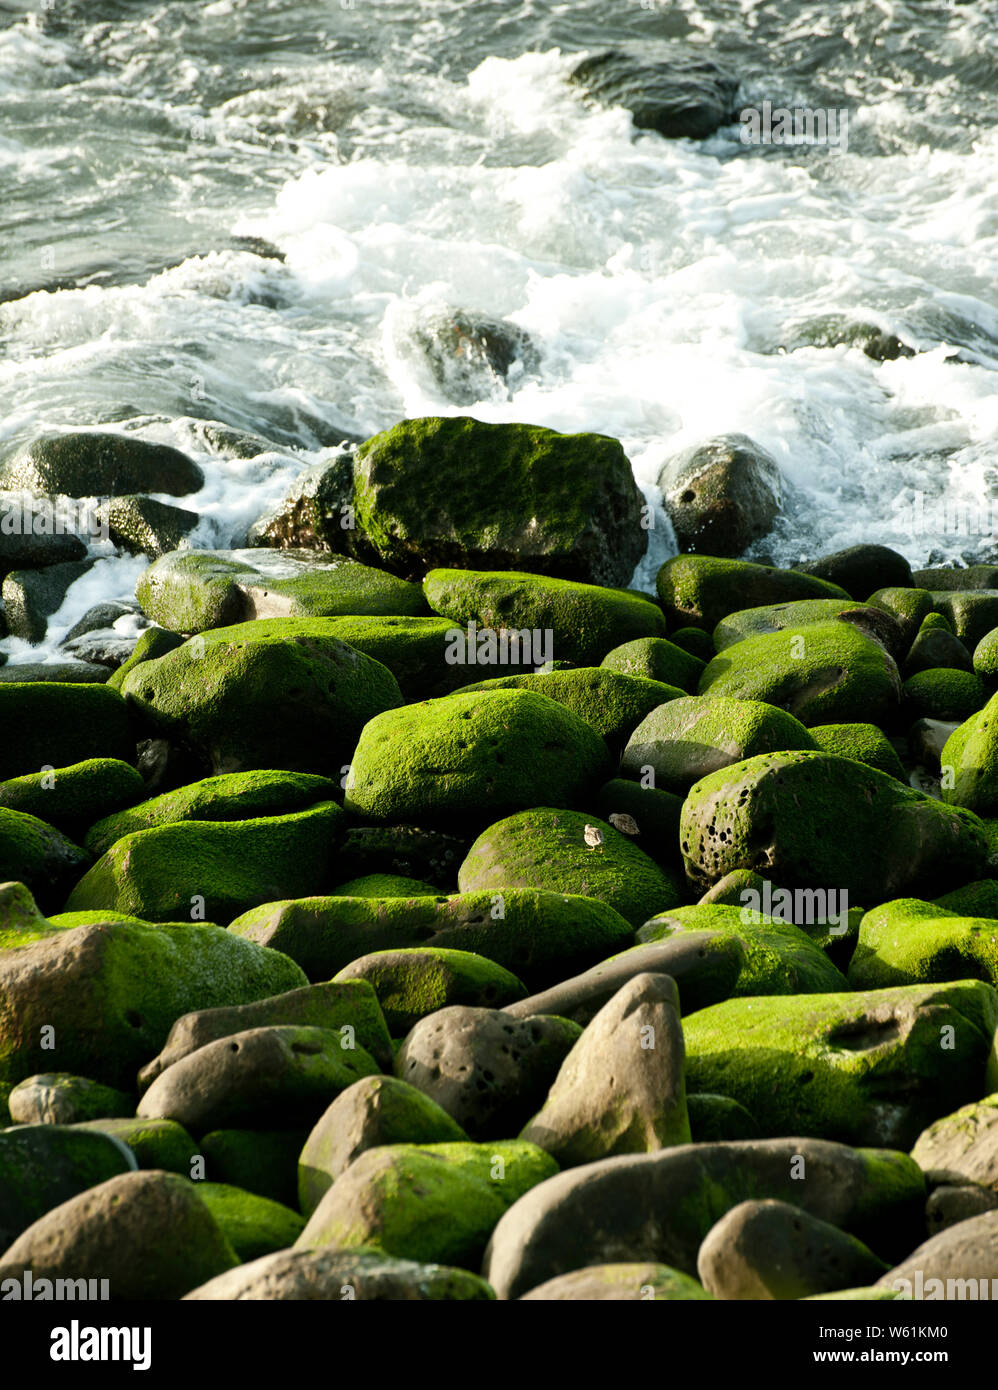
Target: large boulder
{"x": 212, "y": 870}
{"x": 873, "y": 1067}
{"x": 193, "y": 591}
{"x": 861, "y": 569}
{"x": 673, "y": 90}
{"x": 863, "y": 832}
{"x": 472, "y": 758}
{"x": 72, "y": 798}
{"x": 660, "y": 1206}
{"x": 657, "y": 659}
{"x": 100, "y": 1000}
{"x": 92, "y": 464}
{"x": 567, "y": 621}
{"x": 722, "y": 495}
{"x": 458, "y": 491}
{"x": 30, "y": 597}
{"x": 34, "y": 853}
{"x": 279, "y": 693}
{"x": 909, "y": 942}
{"x": 962, "y": 1147}
{"x": 419, "y": 980}
{"x": 45, "y": 1164}
{"x": 969, "y": 762}
{"x": 330, "y": 1276}
{"x": 549, "y": 849}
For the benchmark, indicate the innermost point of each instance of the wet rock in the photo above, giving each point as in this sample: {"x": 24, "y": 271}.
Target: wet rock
{"x": 317, "y": 513}
{"x": 836, "y": 330}
{"x": 31, "y": 596}
{"x": 329, "y": 1276}
{"x": 92, "y": 464}
{"x": 468, "y": 356}
{"x": 673, "y": 90}
{"x": 29, "y": 538}
{"x": 143, "y": 526}
{"x": 722, "y": 495}
{"x": 861, "y": 570}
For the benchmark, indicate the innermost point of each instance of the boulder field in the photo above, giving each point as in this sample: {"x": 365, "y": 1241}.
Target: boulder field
{"x": 439, "y": 919}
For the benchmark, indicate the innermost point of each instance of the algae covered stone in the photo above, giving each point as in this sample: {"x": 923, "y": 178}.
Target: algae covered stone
{"x": 813, "y": 820}
{"x": 459, "y": 491}
{"x": 34, "y": 853}
{"x": 161, "y": 1144}
{"x": 59, "y": 725}
{"x": 473, "y": 757}
{"x": 253, "y": 1225}
{"x": 418, "y": 980}
{"x": 426, "y": 1202}
{"x": 864, "y": 743}
{"x": 279, "y": 693}
{"x": 72, "y": 798}
{"x": 584, "y": 622}
{"x": 825, "y": 673}
{"x": 43, "y": 1165}
{"x": 962, "y": 1147}
{"x": 686, "y": 739}
{"x": 330, "y": 1275}
{"x": 873, "y": 1067}
{"x": 700, "y": 590}
{"x": 970, "y": 762}
{"x": 212, "y": 870}
{"x": 909, "y": 942}
{"x": 59, "y": 1098}
{"x": 658, "y": 659}
{"x": 547, "y": 848}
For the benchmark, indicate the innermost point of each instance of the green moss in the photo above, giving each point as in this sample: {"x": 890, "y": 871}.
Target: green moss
{"x": 864, "y": 743}
{"x": 34, "y": 853}
{"x": 220, "y": 868}
{"x": 779, "y": 958}
{"x": 233, "y": 796}
{"x": 253, "y": 1225}
{"x": 862, "y": 1068}
{"x": 386, "y": 886}
{"x": 969, "y": 762}
{"x": 695, "y": 641}
{"x": 700, "y": 590}
{"x": 610, "y": 702}
{"x": 824, "y": 673}
{"x": 971, "y": 613}
{"x": 942, "y": 693}
{"x": 972, "y": 900}
{"x": 59, "y": 725}
{"x": 719, "y": 1119}
{"x": 415, "y": 981}
{"x": 155, "y": 1143}
{"x": 264, "y": 1161}
{"x": 586, "y": 622}
{"x": 909, "y": 607}
{"x": 621, "y": 1282}
{"x": 777, "y": 617}
{"x": 20, "y": 921}
{"x": 472, "y": 757}
{"x": 546, "y": 848}
{"x": 909, "y": 941}
{"x": 71, "y": 798}
{"x": 541, "y": 937}
{"x": 279, "y": 693}
{"x": 656, "y": 813}
{"x": 153, "y": 642}
{"x": 986, "y": 658}
{"x": 814, "y": 820}
{"x": 688, "y": 738}
{"x": 657, "y": 659}
{"x": 42, "y": 1166}
{"x": 435, "y": 1203}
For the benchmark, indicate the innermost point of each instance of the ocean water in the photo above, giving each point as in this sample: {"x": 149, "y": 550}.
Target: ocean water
{"x": 401, "y": 155}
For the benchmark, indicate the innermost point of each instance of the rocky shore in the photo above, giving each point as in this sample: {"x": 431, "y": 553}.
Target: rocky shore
{"x": 400, "y": 907}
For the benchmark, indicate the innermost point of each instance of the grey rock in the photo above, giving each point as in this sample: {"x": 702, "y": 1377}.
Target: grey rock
{"x": 32, "y": 596}
{"x": 58, "y": 1098}
{"x": 92, "y": 464}
{"x": 949, "y": 1205}
{"x": 330, "y": 1276}
{"x": 721, "y": 495}
{"x": 968, "y": 1250}
{"x": 143, "y": 526}
{"x": 667, "y": 88}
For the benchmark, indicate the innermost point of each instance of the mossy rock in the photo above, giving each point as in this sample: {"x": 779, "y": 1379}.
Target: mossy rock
{"x": 153, "y": 642}
{"x": 59, "y": 725}
{"x": 936, "y": 647}
{"x": 691, "y": 737}
{"x": 657, "y": 659}
{"x": 415, "y": 981}
{"x": 813, "y": 820}
{"x": 473, "y": 758}
{"x": 545, "y": 848}
{"x": 656, "y": 814}
{"x": 192, "y": 591}
{"x": 584, "y": 622}
{"x": 864, "y": 743}
{"x": 870, "y": 1068}
{"x": 42, "y": 1166}
{"x": 970, "y": 763}
{"x": 908, "y": 607}
{"x": 34, "y": 853}
{"x": 942, "y": 693}
{"x": 978, "y": 899}
{"x": 386, "y": 886}
{"x": 700, "y": 590}
{"x": 986, "y": 658}
{"x": 113, "y": 991}
{"x": 611, "y": 703}
{"x": 971, "y": 613}
{"x": 279, "y": 693}
{"x": 143, "y": 526}
{"x": 264, "y": 1161}
{"x": 948, "y": 578}
{"x": 72, "y": 798}
{"x": 212, "y": 869}
{"x": 777, "y": 617}
{"x": 91, "y": 463}
{"x": 233, "y": 796}
{"x": 719, "y": 1119}
{"x": 695, "y": 641}
{"x": 459, "y": 491}
{"x": 60, "y": 1098}
{"x": 20, "y": 921}
{"x": 824, "y": 673}
{"x": 861, "y": 569}
{"x": 419, "y": 652}
{"x": 912, "y": 942}
{"x": 779, "y": 958}
{"x": 159, "y": 1144}
{"x": 435, "y": 1203}
{"x": 328, "y": 1275}
{"x": 540, "y": 937}
{"x": 253, "y": 1225}
{"x": 620, "y": 1283}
